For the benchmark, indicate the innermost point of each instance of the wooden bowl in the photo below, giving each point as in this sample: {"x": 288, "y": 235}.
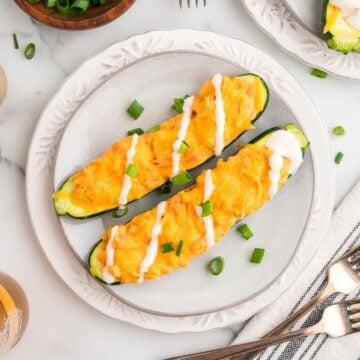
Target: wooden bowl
{"x": 94, "y": 16}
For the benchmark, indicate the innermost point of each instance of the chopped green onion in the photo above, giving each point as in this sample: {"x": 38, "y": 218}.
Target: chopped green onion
{"x": 166, "y": 188}
{"x": 29, "y": 51}
{"x": 131, "y": 170}
{"x": 181, "y": 178}
{"x": 183, "y": 147}
{"x": 245, "y": 231}
{"x": 16, "y": 44}
{"x": 135, "y": 109}
{"x": 78, "y": 7}
{"x": 257, "y": 255}
{"x": 179, "y": 248}
{"x": 33, "y": 1}
{"x": 119, "y": 212}
{"x": 338, "y": 130}
{"x": 338, "y": 158}
{"x": 206, "y": 208}
{"x": 167, "y": 247}
{"x": 50, "y": 3}
{"x": 62, "y": 6}
{"x": 154, "y": 128}
{"x": 319, "y": 73}
{"x": 216, "y": 265}
{"x": 138, "y": 131}
{"x": 178, "y": 105}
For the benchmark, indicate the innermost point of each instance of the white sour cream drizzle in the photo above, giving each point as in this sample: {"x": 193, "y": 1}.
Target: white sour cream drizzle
{"x": 283, "y": 144}
{"x": 208, "y": 220}
{"x": 110, "y": 257}
{"x": 126, "y": 186}
{"x": 219, "y": 114}
{"x": 350, "y": 10}
{"x": 152, "y": 248}
{"x": 184, "y": 124}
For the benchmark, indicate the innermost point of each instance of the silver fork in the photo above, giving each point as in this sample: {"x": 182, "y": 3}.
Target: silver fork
{"x": 189, "y": 3}
{"x": 337, "y": 320}
{"x": 343, "y": 277}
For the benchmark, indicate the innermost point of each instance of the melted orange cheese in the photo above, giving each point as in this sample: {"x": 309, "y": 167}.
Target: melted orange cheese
{"x": 98, "y": 185}
{"x": 241, "y": 186}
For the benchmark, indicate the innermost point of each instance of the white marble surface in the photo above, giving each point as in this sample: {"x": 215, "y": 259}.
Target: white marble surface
{"x": 61, "y": 325}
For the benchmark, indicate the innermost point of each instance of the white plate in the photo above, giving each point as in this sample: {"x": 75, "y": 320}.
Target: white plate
{"x": 295, "y": 26}
{"x": 155, "y": 67}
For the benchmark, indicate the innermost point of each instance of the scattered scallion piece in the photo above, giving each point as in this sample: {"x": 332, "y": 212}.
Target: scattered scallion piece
{"x": 181, "y": 178}
{"x": 257, "y": 255}
{"x": 16, "y": 44}
{"x": 183, "y": 147}
{"x": 206, "y": 208}
{"x": 29, "y": 51}
{"x": 135, "y": 109}
{"x": 50, "y": 3}
{"x": 167, "y": 247}
{"x": 33, "y": 1}
{"x": 179, "y": 248}
{"x": 319, "y": 73}
{"x": 78, "y": 7}
{"x": 62, "y": 6}
{"x": 131, "y": 170}
{"x": 338, "y": 130}
{"x": 154, "y": 128}
{"x": 178, "y": 105}
{"x": 119, "y": 212}
{"x": 216, "y": 265}
{"x": 138, "y": 131}
{"x": 338, "y": 158}
{"x": 166, "y": 188}
{"x": 245, "y": 231}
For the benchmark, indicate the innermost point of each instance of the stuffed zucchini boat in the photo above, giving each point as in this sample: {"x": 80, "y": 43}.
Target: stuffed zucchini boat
{"x": 165, "y": 238}
{"x": 134, "y": 166}
{"x": 341, "y": 24}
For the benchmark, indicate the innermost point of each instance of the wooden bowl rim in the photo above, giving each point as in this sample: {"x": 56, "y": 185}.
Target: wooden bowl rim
{"x": 82, "y": 24}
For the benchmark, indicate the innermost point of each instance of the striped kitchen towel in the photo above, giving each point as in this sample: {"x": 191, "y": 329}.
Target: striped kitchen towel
{"x": 343, "y": 234}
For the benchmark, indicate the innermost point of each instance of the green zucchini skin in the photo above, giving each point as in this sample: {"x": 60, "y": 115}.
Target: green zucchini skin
{"x": 344, "y": 45}
{"x": 72, "y": 213}
{"x": 262, "y": 137}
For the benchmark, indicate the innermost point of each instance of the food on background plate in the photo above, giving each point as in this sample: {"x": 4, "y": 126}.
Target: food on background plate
{"x": 341, "y": 24}
{"x": 198, "y": 217}
{"x": 135, "y": 165}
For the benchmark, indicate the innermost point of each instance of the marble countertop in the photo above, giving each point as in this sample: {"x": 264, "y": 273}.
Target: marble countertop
{"x": 61, "y": 325}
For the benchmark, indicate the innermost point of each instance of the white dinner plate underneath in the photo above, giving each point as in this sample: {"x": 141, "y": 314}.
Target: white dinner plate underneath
{"x": 88, "y": 114}
{"x": 295, "y": 25}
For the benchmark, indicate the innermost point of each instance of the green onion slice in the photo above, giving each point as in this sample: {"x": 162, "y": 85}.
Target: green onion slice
{"x": 135, "y": 109}
{"x": 178, "y": 105}
{"x": 16, "y": 44}
{"x": 206, "y": 208}
{"x": 319, "y": 73}
{"x": 183, "y": 147}
{"x": 338, "y": 158}
{"x": 216, "y": 265}
{"x": 29, "y": 51}
{"x": 33, "y": 1}
{"x": 138, "y": 131}
{"x": 50, "y": 3}
{"x": 165, "y": 188}
{"x": 179, "y": 248}
{"x": 119, "y": 212}
{"x": 62, "y": 6}
{"x": 245, "y": 231}
{"x": 181, "y": 178}
{"x": 154, "y": 128}
{"x": 338, "y": 130}
{"x": 131, "y": 170}
{"x": 78, "y": 7}
{"x": 167, "y": 247}
{"x": 257, "y": 255}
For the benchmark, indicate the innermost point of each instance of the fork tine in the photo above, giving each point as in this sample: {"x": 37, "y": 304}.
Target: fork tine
{"x": 197, "y": 3}
{"x": 204, "y": 3}
{"x": 180, "y": 4}
{"x": 189, "y": 3}
{"x": 350, "y": 255}
{"x": 353, "y": 307}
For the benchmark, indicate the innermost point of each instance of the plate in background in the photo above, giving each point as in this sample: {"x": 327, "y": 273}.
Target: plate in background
{"x": 93, "y": 98}
{"x": 295, "y": 25}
